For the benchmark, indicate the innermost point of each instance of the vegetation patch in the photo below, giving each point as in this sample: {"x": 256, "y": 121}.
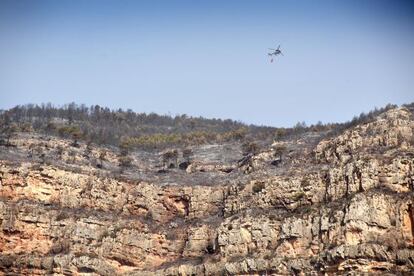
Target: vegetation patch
{"x": 258, "y": 187}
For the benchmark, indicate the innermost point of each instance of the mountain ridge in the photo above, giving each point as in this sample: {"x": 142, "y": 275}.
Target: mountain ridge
{"x": 306, "y": 203}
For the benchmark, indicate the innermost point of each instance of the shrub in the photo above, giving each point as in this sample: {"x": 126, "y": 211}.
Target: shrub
{"x": 250, "y": 148}
{"x": 279, "y": 134}
{"x": 7, "y": 131}
{"x": 59, "y": 150}
{"x": 279, "y": 151}
{"x": 305, "y": 182}
{"x": 60, "y": 247}
{"x": 124, "y": 161}
{"x": 187, "y": 153}
{"x": 62, "y": 216}
{"x": 258, "y": 187}
{"x": 71, "y": 131}
{"x": 170, "y": 158}
{"x": 298, "y": 195}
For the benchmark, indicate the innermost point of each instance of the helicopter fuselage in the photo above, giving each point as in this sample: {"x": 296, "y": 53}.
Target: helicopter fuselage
{"x": 277, "y": 52}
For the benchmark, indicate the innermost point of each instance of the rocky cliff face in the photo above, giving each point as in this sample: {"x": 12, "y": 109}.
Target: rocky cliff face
{"x": 344, "y": 205}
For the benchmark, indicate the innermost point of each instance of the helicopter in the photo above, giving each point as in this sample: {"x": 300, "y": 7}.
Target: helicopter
{"x": 275, "y": 52}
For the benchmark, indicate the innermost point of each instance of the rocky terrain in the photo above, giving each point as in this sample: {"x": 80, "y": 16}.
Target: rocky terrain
{"x": 327, "y": 204}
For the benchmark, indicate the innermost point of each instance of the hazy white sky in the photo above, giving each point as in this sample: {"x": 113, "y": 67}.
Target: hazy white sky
{"x": 208, "y": 58}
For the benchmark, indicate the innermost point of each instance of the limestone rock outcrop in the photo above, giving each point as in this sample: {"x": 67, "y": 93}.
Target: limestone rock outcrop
{"x": 342, "y": 206}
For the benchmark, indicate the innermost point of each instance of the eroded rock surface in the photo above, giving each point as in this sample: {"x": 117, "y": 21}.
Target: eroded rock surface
{"x": 342, "y": 206}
